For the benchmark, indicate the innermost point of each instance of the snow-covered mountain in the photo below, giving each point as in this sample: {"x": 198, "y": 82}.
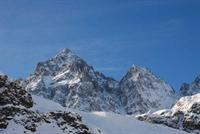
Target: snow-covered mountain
{"x": 21, "y": 112}
{"x": 19, "y": 115}
{"x": 70, "y": 81}
{"x": 142, "y": 91}
{"x": 192, "y": 88}
{"x": 105, "y": 122}
{"x": 184, "y": 115}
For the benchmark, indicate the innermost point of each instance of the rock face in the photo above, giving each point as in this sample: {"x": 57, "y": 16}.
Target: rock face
{"x": 185, "y": 87}
{"x": 142, "y": 91}
{"x": 12, "y": 94}
{"x": 192, "y": 88}
{"x": 15, "y": 107}
{"x": 70, "y": 81}
{"x": 184, "y": 115}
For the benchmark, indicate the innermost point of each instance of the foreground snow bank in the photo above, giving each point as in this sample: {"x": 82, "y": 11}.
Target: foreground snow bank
{"x": 110, "y": 123}
{"x": 184, "y": 115}
{"x": 100, "y": 122}
{"x": 44, "y": 105}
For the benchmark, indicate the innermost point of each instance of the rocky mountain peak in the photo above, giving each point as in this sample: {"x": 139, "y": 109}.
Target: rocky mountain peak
{"x": 136, "y": 69}
{"x": 143, "y": 91}
{"x": 70, "y": 81}
{"x": 185, "y": 87}
{"x": 62, "y": 61}
{"x": 65, "y": 55}
{"x": 191, "y": 88}
{"x": 64, "y": 52}
{"x": 136, "y": 73}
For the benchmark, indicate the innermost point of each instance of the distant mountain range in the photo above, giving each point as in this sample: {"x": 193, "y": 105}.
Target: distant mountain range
{"x": 23, "y": 113}
{"x": 68, "y": 80}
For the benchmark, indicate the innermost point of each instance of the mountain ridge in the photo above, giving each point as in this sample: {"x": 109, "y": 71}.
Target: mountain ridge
{"x": 30, "y": 114}
{"x": 191, "y": 88}
{"x": 69, "y": 80}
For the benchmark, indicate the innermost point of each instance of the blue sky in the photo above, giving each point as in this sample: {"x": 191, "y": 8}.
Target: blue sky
{"x": 111, "y": 35}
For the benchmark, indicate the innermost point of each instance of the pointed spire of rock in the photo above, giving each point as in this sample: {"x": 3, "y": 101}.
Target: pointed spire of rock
{"x": 64, "y": 53}
{"x": 143, "y": 91}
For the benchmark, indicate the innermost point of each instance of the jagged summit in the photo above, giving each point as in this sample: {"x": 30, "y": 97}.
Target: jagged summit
{"x": 192, "y": 88}
{"x": 70, "y": 81}
{"x": 142, "y": 91}
{"x": 135, "y": 72}
{"x": 65, "y": 53}
{"x": 136, "y": 68}
{"x": 64, "y": 59}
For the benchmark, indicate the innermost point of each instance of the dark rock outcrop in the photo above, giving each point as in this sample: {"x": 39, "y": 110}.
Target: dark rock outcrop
{"x": 192, "y": 88}
{"x": 16, "y": 104}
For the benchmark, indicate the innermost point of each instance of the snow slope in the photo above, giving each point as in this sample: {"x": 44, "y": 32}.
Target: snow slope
{"x": 44, "y": 105}
{"x": 14, "y": 128}
{"x": 186, "y": 103}
{"x": 111, "y": 123}
{"x": 99, "y": 122}
{"x": 70, "y": 81}
{"x": 184, "y": 115}
{"x": 108, "y": 123}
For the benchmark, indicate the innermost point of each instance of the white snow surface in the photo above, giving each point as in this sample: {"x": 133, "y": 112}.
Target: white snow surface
{"x": 44, "y": 105}
{"x": 45, "y": 128}
{"x": 111, "y": 123}
{"x": 107, "y": 123}
{"x": 185, "y": 103}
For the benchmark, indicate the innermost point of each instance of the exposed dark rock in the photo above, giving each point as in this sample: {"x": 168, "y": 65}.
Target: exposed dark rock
{"x": 192, "y": 88}
{"x": 185, "y": 87}
{"x": 15, "y": 105}
{"x": 12, "y": 93}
